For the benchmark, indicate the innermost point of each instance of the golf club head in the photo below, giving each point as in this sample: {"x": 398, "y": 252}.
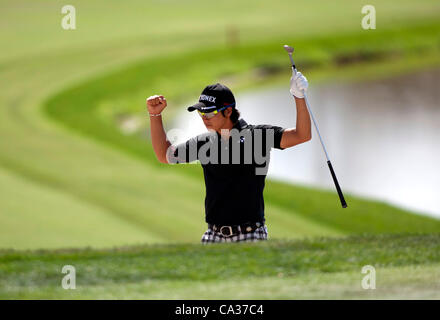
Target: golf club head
{"x": 289, "y": 49}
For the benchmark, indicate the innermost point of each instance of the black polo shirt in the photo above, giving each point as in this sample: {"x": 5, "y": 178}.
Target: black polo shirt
{"x": 234, "y": 169}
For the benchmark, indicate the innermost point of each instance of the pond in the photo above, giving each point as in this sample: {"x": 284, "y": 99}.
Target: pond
{"x": 382, "y": 137}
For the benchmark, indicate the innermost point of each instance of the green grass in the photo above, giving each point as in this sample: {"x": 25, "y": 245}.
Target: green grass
{"x": 70, "y": 179}
{"x": 100, "y": 188}
{"x": 407, "y": 266}
{"x": 55, "y": 225}
{"x": 409, "y": 282}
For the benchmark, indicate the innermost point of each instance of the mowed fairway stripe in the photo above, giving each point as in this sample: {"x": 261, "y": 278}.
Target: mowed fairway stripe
{"x": 56, "y": 159}
{"x": 294, "y": 225}
{"x": 35, "y": 216}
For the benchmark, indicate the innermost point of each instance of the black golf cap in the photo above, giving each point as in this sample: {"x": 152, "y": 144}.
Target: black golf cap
{"x": 214, "y": 97}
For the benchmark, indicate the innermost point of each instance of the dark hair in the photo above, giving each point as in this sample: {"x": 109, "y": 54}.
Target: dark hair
{"x": 234, "y": 115}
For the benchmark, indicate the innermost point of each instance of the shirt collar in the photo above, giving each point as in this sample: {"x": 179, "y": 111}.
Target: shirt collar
{"x": 240, "y": 124}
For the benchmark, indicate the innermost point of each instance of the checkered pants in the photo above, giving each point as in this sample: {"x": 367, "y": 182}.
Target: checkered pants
{"x": 211, "y": 236}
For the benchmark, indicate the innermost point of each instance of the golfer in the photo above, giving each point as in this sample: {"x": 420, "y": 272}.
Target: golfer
{"x": 234, "y": 156}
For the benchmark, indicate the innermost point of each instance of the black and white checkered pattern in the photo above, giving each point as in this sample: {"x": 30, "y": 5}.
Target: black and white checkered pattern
{"x": 210, "y": 236}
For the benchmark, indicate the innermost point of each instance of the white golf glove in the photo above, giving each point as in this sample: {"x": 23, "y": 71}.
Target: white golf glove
{"x": 298, "y": 84}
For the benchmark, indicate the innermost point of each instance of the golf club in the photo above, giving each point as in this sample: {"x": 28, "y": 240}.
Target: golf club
{"x": 335, "y": 180}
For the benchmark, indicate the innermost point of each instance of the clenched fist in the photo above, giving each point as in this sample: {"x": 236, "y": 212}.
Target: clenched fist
{"x": 156, "y": 103}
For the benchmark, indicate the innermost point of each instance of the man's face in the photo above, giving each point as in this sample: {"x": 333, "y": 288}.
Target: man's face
{"x": 218, "y": 121}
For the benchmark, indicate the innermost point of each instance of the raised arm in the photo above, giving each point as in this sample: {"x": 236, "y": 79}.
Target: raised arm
{"x": 155, "y": 105}
{"x": 303, "y": 130}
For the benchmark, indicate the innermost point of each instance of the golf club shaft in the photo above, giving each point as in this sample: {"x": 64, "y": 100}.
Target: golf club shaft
{"x": 335, "y": 180}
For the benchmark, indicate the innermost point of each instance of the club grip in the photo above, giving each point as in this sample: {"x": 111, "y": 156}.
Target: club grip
{"x": 338, "y": 188}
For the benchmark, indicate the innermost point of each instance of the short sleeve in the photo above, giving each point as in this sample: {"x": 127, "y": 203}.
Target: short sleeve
{"x": 187, "y": 151}
{"x": 183, "y": 152}
{"x": 277, "y": 134}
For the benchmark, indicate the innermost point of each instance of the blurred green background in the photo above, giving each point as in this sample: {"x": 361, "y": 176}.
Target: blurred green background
{"x": 70, "y": 178}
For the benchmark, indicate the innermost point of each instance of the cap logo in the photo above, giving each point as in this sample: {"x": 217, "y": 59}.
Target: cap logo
{"x": 204, "y": 97}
